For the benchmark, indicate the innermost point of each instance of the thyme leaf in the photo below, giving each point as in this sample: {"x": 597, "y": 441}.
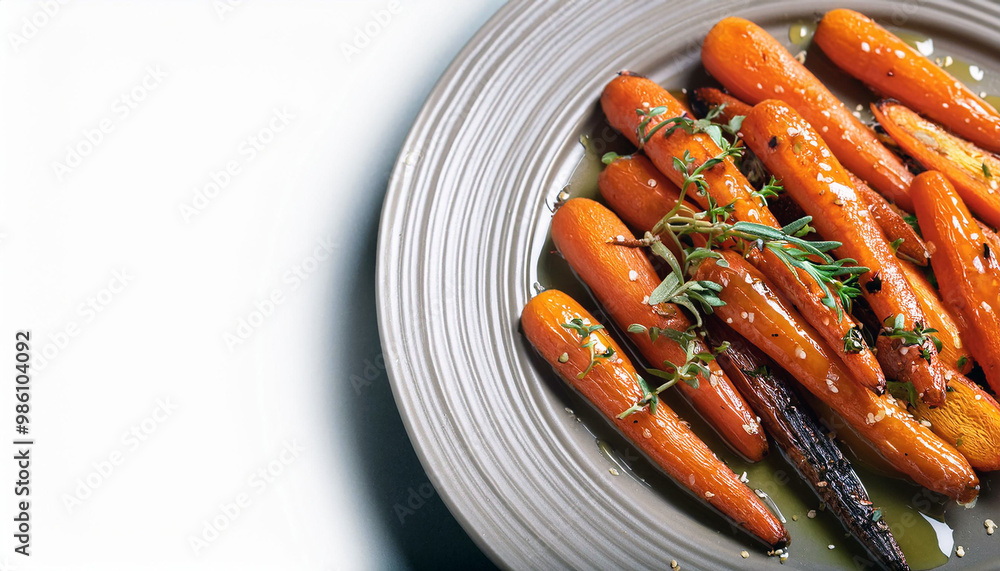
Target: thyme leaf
{"x": 589, "y": 342}
{"x": 919, "y": 336}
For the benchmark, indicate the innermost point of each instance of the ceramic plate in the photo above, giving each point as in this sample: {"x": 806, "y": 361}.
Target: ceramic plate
{"x": 526, "y": 466}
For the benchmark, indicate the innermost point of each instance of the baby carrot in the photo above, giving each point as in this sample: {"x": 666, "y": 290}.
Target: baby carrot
{"x": 975, "y": 173}
{"x": 892, "y": 68}
{"x": 754, "y": 66}
{"x": 550, "y": 324}
{"x": 796, "y": 154}
{"x": 767, "y": 322}
{"x": 622, "y": 278}
{"x": 966, "y": 268}
{"x": 638, "y": 192}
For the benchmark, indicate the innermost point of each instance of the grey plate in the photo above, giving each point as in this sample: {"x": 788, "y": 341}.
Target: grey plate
{"x": 463, "y": 239}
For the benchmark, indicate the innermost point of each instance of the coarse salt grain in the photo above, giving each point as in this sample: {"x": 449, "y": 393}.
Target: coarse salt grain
{"x": 633, "y": 275}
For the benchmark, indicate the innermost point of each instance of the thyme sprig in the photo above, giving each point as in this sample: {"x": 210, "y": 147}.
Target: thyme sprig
{"x": 695, "y": 364}
{"x": 589, "y": 342}
{"x": 836, "y": 278}
{"x": 706, "y": 125}
{"x": 770, "y": 190}
{"x": 918, "y": 336}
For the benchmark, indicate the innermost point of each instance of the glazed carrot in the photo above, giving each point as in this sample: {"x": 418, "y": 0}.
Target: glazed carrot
{"x": 638, "y": 192}
{"x": 975, "y": 173}
{"x": 966, "y": 268}
{"x": 892, "y": 224}
{"x": 612, "y": 387}
{"x": 887, "y": 218}
{"x": 796, "y": 154}
{"x": 953, "y": 352}
{"x": 726, "y": 185}
{"x": 892, "y": 68}
{"x": 969, "y": 421}
{"x": 755, "y": 312}
{"x": 754, "y": 67}
{"x": 622, "y": 278}
{"x": 807, "y": 446}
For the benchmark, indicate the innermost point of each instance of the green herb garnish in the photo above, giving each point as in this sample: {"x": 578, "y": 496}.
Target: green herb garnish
{"x": 919, "y": 336}
{"x": 589, "y": 342}
{"x": 853, "y": 341}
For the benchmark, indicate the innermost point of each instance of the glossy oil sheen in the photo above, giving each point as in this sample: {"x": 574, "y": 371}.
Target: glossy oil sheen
{"x": 464, "y": 240}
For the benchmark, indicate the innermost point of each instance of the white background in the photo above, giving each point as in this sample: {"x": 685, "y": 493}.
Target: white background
{"x": 129, "y": 301}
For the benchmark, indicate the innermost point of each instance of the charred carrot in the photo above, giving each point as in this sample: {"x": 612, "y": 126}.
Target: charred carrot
{"x": 796, "y": 154}
{"x": 894, "y": 227}
{"x": 754, "y": 66}
{"x": 966, "y": 268}
{"x": 889, "y": 66}
{"x": 725, "y": 185}
{"x": 622, "y": 278}
{"x": 953, "y": 351}
{"x": 755, "y": 312}
{"x": 806, "y": 444}
{"x": 969, "y": 421}
{"x": 559, "y": 328}
{"x": 975, "y": 173}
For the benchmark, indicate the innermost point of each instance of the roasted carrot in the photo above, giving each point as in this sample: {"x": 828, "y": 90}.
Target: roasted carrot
{"x": 953, "y": 351}
{"x": 893, "y": 226}
{"x": 806, "y": 444}
{"x": 757, "y": 313}
{"x": 892, "y": 68}
{"x": 754, "y": 66}
{"x": 975, "y": 173}
{"x": 969, "y": 421}
{"x": 796, "y": 154}
{"x": 888, "y": 218}
{"x": 626, "y": 94}
{"x": 966, "y": 268}
{"x": 638, "y": 192}
{"x": 622, "y": 278}
{"x": 611, "y": 385}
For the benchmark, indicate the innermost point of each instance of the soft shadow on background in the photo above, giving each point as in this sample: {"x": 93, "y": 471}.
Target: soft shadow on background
{"x": 420, "y": 527}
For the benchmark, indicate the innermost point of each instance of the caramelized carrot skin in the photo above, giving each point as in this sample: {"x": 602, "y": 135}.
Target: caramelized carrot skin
{"x": 621, "y": 278}
{"x": 727, "y": 185}
{"x": 611, "y": 386}
{"x": 626, "y": 93}
{"x": 966, "y": 268}
{"x": 936, "y": 149}
{"x": 888, "y": 65}
{"x": 891, "y": 223}
{"x": 780, "y": 332}
{"x": 754, "y": 67}
{"x": 796, "y": 154}
{"x": 638, "y": 192}
{"x": 969, "y": 421}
